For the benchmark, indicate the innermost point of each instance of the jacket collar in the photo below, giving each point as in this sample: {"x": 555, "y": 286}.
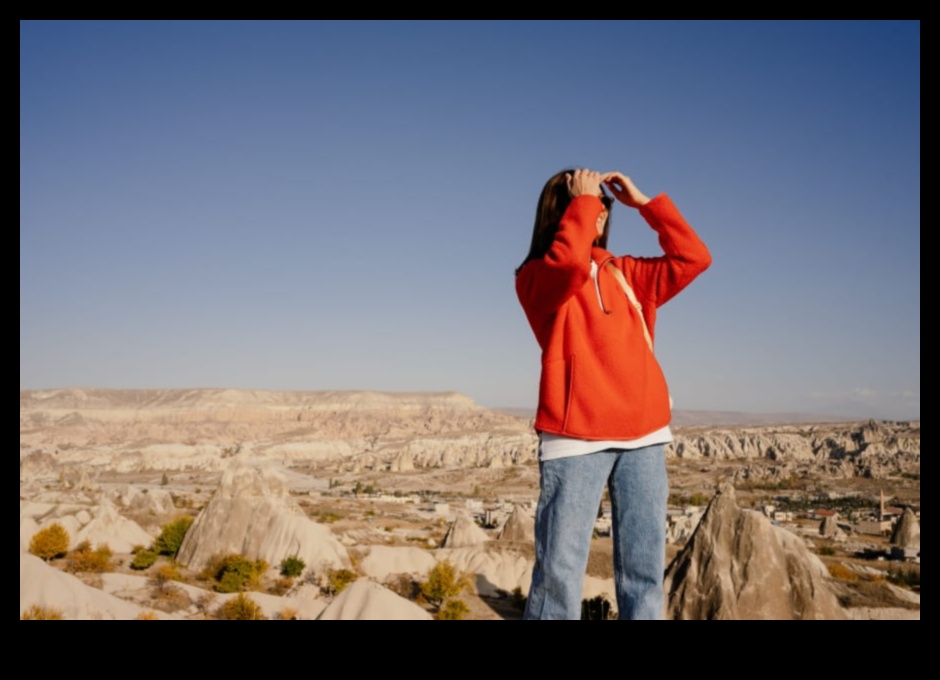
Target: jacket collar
{"x": 601, "y": 256}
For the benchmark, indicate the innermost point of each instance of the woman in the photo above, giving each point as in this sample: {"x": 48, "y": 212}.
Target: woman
{"x": 604, "y": 407}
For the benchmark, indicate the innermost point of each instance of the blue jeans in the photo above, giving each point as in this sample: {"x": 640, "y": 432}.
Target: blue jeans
{"x": 571, "y": 490}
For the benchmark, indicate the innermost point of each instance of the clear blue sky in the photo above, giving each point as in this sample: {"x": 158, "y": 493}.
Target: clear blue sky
{"x": 315, "y": 205}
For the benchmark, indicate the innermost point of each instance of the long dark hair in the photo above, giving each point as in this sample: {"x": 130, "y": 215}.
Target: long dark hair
{"x": 553, "y": 202}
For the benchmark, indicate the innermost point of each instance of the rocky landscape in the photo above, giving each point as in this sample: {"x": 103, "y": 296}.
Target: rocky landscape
{"x": 378, "y": 495}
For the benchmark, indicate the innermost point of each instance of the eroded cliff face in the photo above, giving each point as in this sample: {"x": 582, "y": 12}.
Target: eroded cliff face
{"x": 137, "y": 430}
{"x": 133, "y": 430}
{"x": 870, "y": 449}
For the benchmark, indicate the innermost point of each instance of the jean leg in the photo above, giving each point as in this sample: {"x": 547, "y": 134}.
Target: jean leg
{"x": 571, "y": 490}
{"x": 639, "y": 491}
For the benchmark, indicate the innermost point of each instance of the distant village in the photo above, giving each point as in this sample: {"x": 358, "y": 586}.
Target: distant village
{"x": 839, "y": 518}
{"x": 845, "y": 519}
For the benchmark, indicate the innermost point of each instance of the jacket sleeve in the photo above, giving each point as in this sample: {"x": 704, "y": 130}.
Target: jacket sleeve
{"x": 659, "y": 279}
{"x": 544, "y": 285}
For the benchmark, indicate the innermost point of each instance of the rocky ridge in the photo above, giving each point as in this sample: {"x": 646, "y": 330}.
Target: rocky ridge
{"x": 139, "y": 430}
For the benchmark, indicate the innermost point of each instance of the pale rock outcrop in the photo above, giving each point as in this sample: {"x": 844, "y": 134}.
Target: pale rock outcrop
{"x": 495, "y": 571}
{"x": 383, "y": 561}
{"x": 464, "y": 532}
{"x": 37, "y": 465}
{"x": 72, "y": 516}
{"x": 738, "y": 565}
{"x": 28, "y": 529}
{"x": 681, "y": 528}
{"x": 70, "y": 523}
{"x": 594, "y": 587}
{"x": 157, "y": 501}
{"x": 890, "y": 613}
{"x": 98, "y": 524}
{"x": 520, "y": 526}
{"x": 272, "y": 606}
{"x": 903, "y": 594}
{"x": 829, "y": 528}
{"x": 46, "y": 586}
{"x": 365, "y": 600}
{"x": 44, "y": 510}
{"x": 137, "y": 588}
{"x": 107, "y": 526}
{"x": 252, "y": 514}
{"x": 82, "y": 481}
{"x": 472, "y": 450}
{"x": 883, "y": 614}
{"x": 403, "y": 462}
{"x": 906, "y": 532}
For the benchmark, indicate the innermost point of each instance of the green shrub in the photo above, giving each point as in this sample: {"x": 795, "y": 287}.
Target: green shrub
{"x": 240, "y": 608}
{"x": 292, "y": 567}
{"x": 232, "y": 582}
{"x": 51, "y": 542}
{"x": 234, "y": 573}
{"x": 172, "y": 535}
{"x": 143, "y": 559}
{"x": 826, "y": 550}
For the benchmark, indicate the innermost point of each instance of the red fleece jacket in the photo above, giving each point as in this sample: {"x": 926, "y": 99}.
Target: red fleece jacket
{"x": 599, "y": 378}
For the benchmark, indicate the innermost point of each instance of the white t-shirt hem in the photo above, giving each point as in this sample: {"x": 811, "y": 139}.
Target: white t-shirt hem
{"x": 552, "y": 446}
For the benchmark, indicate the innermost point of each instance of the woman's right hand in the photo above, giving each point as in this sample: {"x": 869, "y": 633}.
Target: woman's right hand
{"x": 584, "y": 181}
{"x": 624, "y": 189}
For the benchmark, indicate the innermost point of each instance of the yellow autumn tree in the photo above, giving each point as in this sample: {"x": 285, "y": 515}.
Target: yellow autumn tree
{"x": 51, "y": 542}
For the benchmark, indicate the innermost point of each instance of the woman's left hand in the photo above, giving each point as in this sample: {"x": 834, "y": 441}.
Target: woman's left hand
{"x": 623, "y": 188}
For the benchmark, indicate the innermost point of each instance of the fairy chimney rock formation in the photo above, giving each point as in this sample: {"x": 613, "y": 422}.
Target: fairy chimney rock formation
{"x": 365, "y": 600}
{"x": 252, "y": 514}
{"x": 463, "y": 533}
{"x": 519, "y": 527}
{"x": 108, "y": 526}
{"x": 737, "y": 565}
{"x": 829, "y": 528}
{"x": 906, "y": 532}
